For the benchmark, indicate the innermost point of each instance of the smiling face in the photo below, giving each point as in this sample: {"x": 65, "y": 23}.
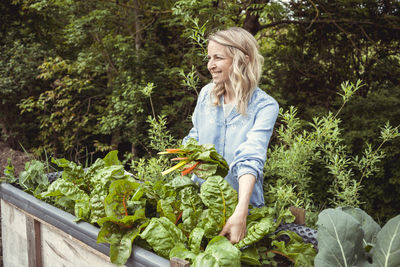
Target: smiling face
{"x": 219, "y": 63}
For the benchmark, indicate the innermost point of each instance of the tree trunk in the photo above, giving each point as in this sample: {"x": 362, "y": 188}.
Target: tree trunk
{"x": 138, "y": 27}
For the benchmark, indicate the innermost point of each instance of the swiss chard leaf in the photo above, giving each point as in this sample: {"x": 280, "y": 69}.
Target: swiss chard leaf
{"x": 100, "y": 182}
{"x": 192, "y": 207}
{"x": 120, "y": 192}
{"x": 250, "y": 256}
{"x": 221, "y": 200}
{"x": 180, "y": 182}
{"x": 181, "y": 252}
{"x": 257, "y": 231}
{"x": 195, "y": 238}
{"x": 302, "y": 254}
{"x": 112, "y": 158}
{"x": 72, "y": 172}
{"x": 120, "y": 240}
{"x": 63, "y": 188}
{"x": 219, "y": 252}
{"x": 163, "y": 235}
{"x": 165, "y": 208}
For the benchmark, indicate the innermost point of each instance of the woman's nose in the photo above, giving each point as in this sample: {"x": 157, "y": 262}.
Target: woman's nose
{"x": 211, "y": 64}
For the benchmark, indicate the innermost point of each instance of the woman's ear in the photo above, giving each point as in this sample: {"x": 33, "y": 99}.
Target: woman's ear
{"x": 246, "y": 59}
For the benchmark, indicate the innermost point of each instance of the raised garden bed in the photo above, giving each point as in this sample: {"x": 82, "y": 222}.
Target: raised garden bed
{"x": 38, "y": 234}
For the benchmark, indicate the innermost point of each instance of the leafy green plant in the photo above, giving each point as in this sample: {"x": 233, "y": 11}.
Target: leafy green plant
{"x": 298, "y": 252}
{"x": 85, "y": 191}
{"x": 9, "y": 173}
{"x": 350, "y": 237}
{"x": 313, "y": 155}
{"x": 202, "y": 160}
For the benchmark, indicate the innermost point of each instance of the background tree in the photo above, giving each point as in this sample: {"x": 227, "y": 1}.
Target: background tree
{"x": 78, "y": 78}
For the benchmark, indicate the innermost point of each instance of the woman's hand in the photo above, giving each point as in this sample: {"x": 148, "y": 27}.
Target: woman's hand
{"x": 235, "y": 227}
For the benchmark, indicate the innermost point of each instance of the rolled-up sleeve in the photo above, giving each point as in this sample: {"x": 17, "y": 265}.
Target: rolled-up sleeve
{"x": 250, "y": 156}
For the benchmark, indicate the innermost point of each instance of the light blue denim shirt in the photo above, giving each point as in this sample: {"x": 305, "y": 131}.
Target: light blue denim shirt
{"x": 241, "y": 139}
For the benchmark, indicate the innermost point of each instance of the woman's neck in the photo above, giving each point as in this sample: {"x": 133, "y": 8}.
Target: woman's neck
{"x": 229, "y": 95}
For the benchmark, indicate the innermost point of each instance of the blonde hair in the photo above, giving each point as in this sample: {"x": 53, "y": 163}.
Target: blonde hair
{"x": 246, "y": 64}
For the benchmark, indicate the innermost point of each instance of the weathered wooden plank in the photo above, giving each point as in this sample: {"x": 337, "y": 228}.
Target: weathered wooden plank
{"x": 61, "y": 249}
{"x": 34, "y": 244}
{"x": 13, "y": 227}
{"x": 56, "y": 247}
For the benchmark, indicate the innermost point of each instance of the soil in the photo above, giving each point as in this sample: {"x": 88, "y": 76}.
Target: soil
{"x": 18, "y": 160}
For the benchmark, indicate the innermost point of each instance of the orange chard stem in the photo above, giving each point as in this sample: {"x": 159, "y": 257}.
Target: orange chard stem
{"x": 173, "y": 150}
{"x": 190, "y": 169}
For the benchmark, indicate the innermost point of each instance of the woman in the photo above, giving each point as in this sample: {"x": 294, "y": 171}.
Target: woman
{"x": 238, "y": 118}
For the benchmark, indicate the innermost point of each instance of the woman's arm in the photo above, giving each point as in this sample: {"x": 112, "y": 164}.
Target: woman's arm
{"x": 235, "y": 227}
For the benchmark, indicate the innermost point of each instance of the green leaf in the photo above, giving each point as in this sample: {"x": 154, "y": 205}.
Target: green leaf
{"x": 221, "y": 199}
{"x": 120, "y": 191}
{"x": 340, "y": 239}
{"x": 71, "y": 171}
{"x": 250, "y": 256}
{"x": 33, "y": 176}
{"x": 191, "y": 206}
{"x": 257, "y": 231}
{"x": 163, "y": 235}
{"x": 302, "y": 254}
{"x": 164, "y": 207}
{"x": 369, "y": 226}
{"x": 180, "y": 182}
{"x": 258, "y": 213}
{"x": 219, "y": 252}
{"x": 65, "y": 188}
{"x": 387, "y": 248}
{"x": 181, "y": 252}
{"x": 126, "y": 221}
{"x": 9, "y": 172}
{"x": 120, "y": 240}
{"x": 112, "y": 158}
{"x": 195, "y": 238}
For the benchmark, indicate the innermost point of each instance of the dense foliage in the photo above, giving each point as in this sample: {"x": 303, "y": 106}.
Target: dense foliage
{"x": 80, "y": 78}
{"x": 174, "y": 217}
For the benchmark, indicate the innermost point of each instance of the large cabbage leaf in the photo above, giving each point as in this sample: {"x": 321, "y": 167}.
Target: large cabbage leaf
{"x": 369, "y": 226}
{"x": 340, "y": 239}
{"x": 386, "y": 252}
